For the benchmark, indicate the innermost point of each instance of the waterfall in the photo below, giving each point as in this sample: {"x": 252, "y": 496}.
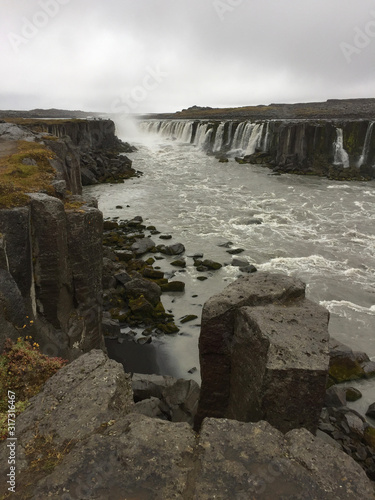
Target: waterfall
{"x": 366, "y": 145}
{"x": 186, "y": 132}
{"x": 255, "y": 139}
{"x": 246, "y": 135}
{"x": 341, "y": 157}
{"x": 237, "y": 139}
{"x": 219, "y": 138}
{"x": 229, "y": 140}
{"x": 265, "y": 144}
{"x": 200, "y": 136}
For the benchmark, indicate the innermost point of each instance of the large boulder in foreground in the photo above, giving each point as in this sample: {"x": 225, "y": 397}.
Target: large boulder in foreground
{"x": 264, "y": 353}
{"x": 78, "y": 440}
{"x": 255, "y": 461}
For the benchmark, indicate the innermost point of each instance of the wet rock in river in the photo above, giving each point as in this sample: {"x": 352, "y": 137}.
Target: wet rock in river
{"x": 187, "y": 318}
{"x": 142, "y": 246}
{"x": 211, "y": 264}
{"x": 371, "y": 411}
{"x": 352, "y": 394}
{"x": 179, "y": 263}
{"x": 176, "y": 249}
{"x": 173, "y": 286}
{"x": 235, "y": 251}
{"x": 248, "y": 269}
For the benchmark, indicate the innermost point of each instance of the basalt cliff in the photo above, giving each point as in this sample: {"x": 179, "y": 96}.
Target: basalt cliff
{"x": 50, "y": 235}
{"x": 334, "y": 139}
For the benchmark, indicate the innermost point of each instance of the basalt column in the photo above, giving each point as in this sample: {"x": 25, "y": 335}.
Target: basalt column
{"x": 264, "y": 353}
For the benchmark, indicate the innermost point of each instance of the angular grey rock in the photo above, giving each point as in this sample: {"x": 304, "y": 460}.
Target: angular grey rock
{"x": 150, "y": 408}
{"x": 264, "y": 353}
{"x": 327, "y": 439}
{"x": 179, "y": 395}
{"x": 111, "y": 327}
{"x": 176, "y": 249}
{"x": 335, "y": 397}
{"x": 12, "y": 132}
{"x": 136, "y": 457}
{"x": 240, "y": 461}
{"x": 79, "y": 398}
{"x": 142, "y": 246}
{"x": 82, "y": 417}
{"x": 123, "y": 277}
{"x": 151, "y": 291}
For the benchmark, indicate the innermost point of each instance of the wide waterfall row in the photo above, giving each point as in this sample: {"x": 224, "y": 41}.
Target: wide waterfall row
{"x": 310, "y": 146}
{"x": 231, "y": 137}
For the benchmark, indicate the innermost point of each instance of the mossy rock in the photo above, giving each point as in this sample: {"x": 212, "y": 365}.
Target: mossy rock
{"x": 161, "y": 282}
{"x": 211, "y": 264}
{"x": 159, "y": 309}
{"x": 108, "y": 225}
{"x": 173, "y": 286}
{"x": 141, "y": 308}
{"x": 352, "y": 394}
{"x": 187, "y": 318}
{"x": 150, "y": 261}
{"x": 369, "y": 437}
{"x": 119, "y": 314}
{"x": 153, "y": 274}
{"x": 179, "y": 263}
{"x": 343, "y": 370}
{"x": 168, "y": 328}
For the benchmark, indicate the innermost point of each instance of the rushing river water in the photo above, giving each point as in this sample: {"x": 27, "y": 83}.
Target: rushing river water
{"x": 318, "y": 230}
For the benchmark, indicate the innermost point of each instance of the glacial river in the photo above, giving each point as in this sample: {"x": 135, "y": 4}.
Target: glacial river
{"x": 318, "y": 230}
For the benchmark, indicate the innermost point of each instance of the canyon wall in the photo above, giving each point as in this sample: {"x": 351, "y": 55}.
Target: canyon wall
{"x": 338, "y": 149}
{"x": 51, "y": 247}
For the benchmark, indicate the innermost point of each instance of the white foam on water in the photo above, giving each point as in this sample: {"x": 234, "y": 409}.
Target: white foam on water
{"x": 344, "y": 308}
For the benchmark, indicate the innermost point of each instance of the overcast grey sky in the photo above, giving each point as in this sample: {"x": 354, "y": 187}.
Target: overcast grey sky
{"x": 165, "y": 55}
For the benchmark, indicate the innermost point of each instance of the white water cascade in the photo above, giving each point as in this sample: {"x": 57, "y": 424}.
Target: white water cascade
{"x": 229, "y": 140}
{"x": 201, "y": 135}
{"x": 341, "y": 157}
{"x": 219, "y": 138}
{"x": 265, "y": 144}
{"x": 255, "y": 139}
{"x": 366, "y": 145}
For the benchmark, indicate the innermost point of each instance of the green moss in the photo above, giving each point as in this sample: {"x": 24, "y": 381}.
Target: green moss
{"x": 345, "y": 370}
{"x": 168, "y": 328}
{"x": 18, "y": 178}
{"x": 187, "y": 318}
{"x": 370, "y": 437}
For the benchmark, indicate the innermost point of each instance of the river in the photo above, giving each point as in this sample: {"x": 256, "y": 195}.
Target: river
{"x": 315, "y": 229}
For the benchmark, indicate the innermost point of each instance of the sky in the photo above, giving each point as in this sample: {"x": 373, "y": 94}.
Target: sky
{"x": 139, "y": 56}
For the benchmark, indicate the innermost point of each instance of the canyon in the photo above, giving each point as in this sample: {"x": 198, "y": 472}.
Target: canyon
{"x": 52, "y": 290}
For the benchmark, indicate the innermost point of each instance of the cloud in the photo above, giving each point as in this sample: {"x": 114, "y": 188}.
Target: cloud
{"x": 95, "y": 55}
